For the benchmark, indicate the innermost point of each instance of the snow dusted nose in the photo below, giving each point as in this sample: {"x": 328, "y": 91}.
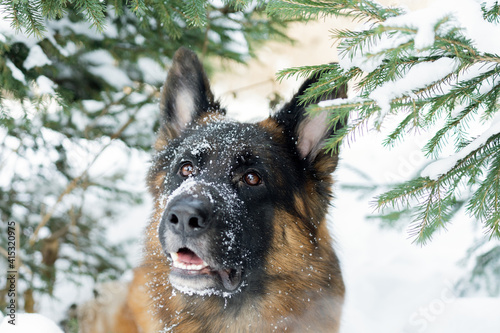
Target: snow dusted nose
{"x": 188, "y": 216}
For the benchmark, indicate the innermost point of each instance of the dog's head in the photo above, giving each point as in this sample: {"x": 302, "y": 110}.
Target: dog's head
{"x": 219, "y": 184}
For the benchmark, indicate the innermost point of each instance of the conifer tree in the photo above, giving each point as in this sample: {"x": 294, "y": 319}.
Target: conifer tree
{"x": 436, "y": 70}
{"x": 79, "y": 82}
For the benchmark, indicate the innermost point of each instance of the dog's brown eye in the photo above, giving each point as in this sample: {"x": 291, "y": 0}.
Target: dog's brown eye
{"x": 252, "y": 178}
{"x": 187, "y": 169}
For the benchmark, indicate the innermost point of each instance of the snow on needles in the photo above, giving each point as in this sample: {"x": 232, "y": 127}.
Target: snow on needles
{"x": 16, "y": 72}
{"x": 442, "y": 166}
{"x": 36, "y": 58}
{"x": 465, "y": 14}
{"x": 102, "y": 64}
{"x": 419, "y": 76}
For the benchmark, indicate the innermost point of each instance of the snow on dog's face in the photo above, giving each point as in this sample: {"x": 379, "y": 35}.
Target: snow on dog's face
{"x": 233, "y": 198}
{"x": 213, "y": 228}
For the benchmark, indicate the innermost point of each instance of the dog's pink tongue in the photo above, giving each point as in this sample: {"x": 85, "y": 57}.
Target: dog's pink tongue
{"x": 189, "y": 257}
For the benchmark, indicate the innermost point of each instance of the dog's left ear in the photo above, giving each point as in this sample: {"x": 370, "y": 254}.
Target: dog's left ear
{"x": 308, "y": 133}
{"x": 186, "y": 94}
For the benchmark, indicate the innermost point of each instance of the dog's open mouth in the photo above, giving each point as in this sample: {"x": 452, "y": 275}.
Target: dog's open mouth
{"x": 187, "y": 263}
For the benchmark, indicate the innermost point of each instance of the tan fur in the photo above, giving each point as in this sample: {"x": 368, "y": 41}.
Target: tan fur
{"x": 105, "y": 313}
{"x": 138, "y": 301}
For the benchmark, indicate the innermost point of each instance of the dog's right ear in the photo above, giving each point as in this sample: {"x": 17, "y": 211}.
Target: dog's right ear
{"x": 186, "y": 95}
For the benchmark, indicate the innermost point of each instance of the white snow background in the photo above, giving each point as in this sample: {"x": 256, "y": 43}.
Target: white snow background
{"x": 392, "y": 284}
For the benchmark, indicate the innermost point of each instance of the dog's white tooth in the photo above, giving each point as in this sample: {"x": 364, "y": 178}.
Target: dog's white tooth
{"x": 178, "y": 264}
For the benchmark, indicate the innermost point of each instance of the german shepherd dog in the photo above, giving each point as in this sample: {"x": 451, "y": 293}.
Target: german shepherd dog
{"x": 238, "y": 240}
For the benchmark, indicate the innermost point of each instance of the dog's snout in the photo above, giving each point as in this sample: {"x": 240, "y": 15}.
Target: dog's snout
{"x": 188, "y": 217}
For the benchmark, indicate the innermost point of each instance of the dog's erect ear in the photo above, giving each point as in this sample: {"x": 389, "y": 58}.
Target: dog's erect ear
{"x": 186, "y": 95}
{"x": 307, "y": 132}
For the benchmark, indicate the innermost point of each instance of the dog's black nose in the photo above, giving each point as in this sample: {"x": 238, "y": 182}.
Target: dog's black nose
{"x": 187, "y": 217}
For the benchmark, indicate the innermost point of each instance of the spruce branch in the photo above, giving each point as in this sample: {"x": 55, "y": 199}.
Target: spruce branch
{"x": 237, "y": 4}
{"x": 94, "y": 10}
{"x": 485, "y": 202}
{"x": 53, "y": 9}
{"x": 304, "y": 71}
{"x": 491, "y": 14}
{"x": 403, "y": 194}
{"x": 195, "y": 12}
{"x": 25, "y": 15}
{"x": 138, "y": 6}
{"x": 314, "y": 9}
